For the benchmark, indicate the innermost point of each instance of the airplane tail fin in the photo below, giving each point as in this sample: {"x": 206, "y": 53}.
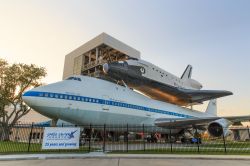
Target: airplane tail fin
{"x": 212, "y": 107}
{"x": 187, "y": 73}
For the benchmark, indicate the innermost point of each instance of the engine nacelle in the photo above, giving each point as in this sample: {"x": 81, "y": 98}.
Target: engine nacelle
{"x": 219, "y": 128}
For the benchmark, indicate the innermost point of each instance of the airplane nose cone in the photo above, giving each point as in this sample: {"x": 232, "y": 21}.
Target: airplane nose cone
{"x": 27, "y": 97}
{"x": 24, "y": 96}
{"x": 105, "y": 68}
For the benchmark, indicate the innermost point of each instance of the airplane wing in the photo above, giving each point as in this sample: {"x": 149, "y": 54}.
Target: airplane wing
{"x": 238, "y": 118}
{"x": 188, "y": 122}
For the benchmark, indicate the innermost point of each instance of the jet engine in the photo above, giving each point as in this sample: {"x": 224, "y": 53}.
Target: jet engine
{"x": 219, "y": 127}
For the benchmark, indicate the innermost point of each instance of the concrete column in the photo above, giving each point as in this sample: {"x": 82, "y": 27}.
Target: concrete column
{"x": 96, "y": 54}
{"x": 89, "y": 57}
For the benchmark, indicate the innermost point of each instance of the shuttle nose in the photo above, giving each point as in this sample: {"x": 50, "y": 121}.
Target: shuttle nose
{"x": 105, "y": 68}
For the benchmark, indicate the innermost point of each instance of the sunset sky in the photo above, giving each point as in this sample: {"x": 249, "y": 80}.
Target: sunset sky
{"x": 213, "y": 36}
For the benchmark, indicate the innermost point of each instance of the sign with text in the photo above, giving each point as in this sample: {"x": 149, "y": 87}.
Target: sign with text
{"x": 61, "y": 138}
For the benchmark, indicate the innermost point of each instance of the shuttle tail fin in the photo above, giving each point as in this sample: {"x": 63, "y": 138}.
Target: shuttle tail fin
{"x": 187, "y": 73}
{"x": 212, "y": 107}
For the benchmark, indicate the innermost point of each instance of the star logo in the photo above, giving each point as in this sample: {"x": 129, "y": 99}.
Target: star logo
{"x": 71, "y": 135}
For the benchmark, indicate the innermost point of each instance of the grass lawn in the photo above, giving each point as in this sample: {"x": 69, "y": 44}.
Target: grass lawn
{"x": 181, "y": 152}
{"x": 7, "y": 147}
{"x": 20, "y": 147}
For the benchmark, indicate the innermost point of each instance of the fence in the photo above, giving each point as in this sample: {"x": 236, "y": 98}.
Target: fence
{"x": 130, "y": 138}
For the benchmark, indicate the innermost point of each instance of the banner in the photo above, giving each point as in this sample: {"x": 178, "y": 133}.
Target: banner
{"x": 61, "y": 138}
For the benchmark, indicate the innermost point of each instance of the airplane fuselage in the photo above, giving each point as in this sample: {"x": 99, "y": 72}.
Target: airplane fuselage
{"x": 86, "y": 100}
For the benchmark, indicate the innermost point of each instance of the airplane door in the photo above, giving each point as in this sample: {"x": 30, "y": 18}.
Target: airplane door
{"x": 105, "y": 106}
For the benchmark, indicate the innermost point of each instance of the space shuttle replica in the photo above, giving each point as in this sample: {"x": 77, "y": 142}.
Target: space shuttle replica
{"x": 159, "y": 84}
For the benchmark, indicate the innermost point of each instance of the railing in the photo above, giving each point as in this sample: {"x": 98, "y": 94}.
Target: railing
{"x": 129, "y": 138}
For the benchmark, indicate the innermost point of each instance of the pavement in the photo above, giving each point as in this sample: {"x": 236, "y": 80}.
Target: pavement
{"x": 125, "y": 162}
{"x": 101, "y": 155}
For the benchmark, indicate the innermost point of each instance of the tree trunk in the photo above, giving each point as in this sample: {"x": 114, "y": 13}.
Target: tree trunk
{"x": 5, "y": 132}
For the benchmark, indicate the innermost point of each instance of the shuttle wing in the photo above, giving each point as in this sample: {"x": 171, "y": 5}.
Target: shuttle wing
{"x": 179, "y": 96}
{"x": 188, "y": 122}
{"x": 198, "y": 96}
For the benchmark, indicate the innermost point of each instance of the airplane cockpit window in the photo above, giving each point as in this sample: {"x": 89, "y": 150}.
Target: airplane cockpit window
{"x": 74, "y": 78}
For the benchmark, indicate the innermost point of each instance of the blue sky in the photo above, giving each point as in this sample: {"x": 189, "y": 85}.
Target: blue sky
{"x": 211, "y": 35}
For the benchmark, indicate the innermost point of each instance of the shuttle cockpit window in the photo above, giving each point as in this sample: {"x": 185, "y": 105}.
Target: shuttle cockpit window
{"x": 74, "y": 78}
{"x": 123, "y": 63}
{"x": 131, "y": 58}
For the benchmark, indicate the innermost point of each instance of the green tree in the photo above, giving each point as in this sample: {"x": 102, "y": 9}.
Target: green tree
{"x": 14, "y": 80}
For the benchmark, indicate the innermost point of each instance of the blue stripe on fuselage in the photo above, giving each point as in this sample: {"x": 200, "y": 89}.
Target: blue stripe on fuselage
{"x": 101, "y": 101}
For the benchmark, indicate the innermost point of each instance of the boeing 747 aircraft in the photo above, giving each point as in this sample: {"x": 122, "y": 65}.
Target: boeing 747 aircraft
{"x": 159, "y": 84}
{"x": 87, "y": 100}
